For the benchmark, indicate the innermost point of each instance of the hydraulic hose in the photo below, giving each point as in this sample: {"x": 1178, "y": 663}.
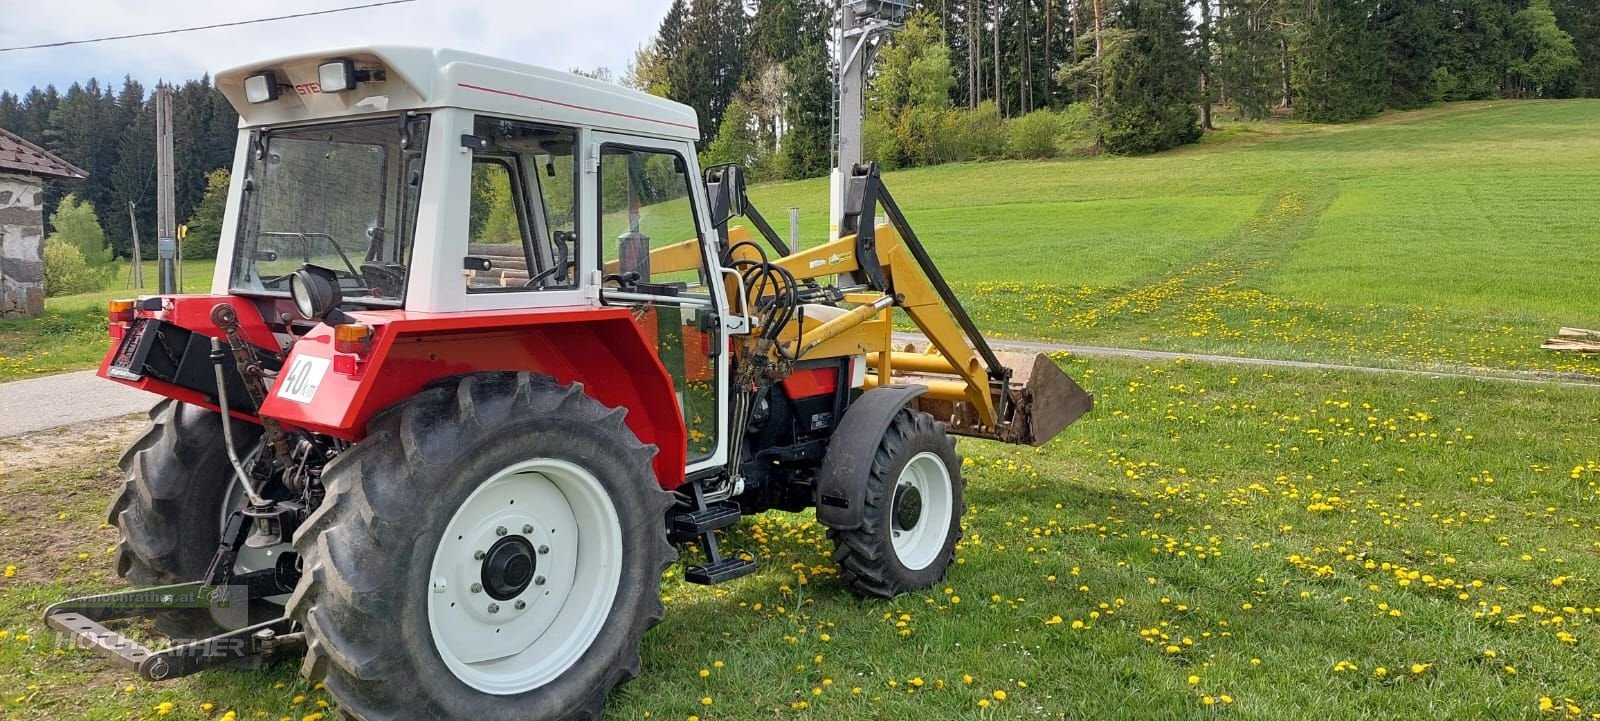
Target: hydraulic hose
{"x": 217, "y": 356}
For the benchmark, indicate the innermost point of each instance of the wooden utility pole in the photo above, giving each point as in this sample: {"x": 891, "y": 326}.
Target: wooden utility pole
{"x": 136, "y": 273}
{"x": 166, "y": 223}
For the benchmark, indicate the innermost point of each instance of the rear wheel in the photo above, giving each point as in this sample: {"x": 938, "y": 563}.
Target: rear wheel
{"x": 492, "y": 550}
{"x": 911, "y": 519}
{"x": 178, "y": 490}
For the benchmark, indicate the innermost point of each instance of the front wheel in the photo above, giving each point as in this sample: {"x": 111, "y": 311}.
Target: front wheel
{"x": 911, "y": 519}
{"x": 492, "y": 550}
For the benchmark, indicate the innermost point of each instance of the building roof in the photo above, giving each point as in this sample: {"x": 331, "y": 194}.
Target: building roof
{"x": 416, "y": 78}
{"x": 20, "y": 156}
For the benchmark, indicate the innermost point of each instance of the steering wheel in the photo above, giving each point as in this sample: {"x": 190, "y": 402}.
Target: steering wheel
{"x": 387, "y": 280}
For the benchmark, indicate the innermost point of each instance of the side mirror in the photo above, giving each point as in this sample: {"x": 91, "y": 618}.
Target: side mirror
{"x": 725, "y": 191}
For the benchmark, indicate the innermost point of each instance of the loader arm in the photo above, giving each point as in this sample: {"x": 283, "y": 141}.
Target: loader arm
{"x": 970, "y": 386}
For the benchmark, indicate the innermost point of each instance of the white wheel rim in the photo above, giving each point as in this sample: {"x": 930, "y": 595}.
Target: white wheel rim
{"x": 560, "y": 510}
{"x": 918, "y": 546}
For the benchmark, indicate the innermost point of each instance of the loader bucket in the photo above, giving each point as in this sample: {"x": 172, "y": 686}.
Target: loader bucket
{"x": 1047, "y": 400}
{"x": 1042, "y": 399}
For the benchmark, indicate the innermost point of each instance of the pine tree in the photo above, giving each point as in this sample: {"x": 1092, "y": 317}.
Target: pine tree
{"x": 1247, "y": 72}
{"x": 1152, "y": 79}
{"x": 1476, "y": 49}
{"x": 1338, "y": 62}
{"x": 807, "y": 147}
{"x": 711, "y": 58}
{"x": 82, "y": 130}
{"x": 1581, "y": 19}
{"x": 133, "y": 176}
{"x": 12, "y": 113}
{"x": 1412, "y": 36}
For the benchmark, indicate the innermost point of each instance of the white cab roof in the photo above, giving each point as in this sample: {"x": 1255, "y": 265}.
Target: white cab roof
{"x": 417, "y": 78}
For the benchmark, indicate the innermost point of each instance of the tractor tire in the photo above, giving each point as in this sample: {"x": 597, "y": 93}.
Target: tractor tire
{"x": 911, "y": 519}
{"x": 404, "y": 618}
{"x": 176, "y": 478}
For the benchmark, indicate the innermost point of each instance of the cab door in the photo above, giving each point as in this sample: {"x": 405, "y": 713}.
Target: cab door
{"x": 657, "y": 257}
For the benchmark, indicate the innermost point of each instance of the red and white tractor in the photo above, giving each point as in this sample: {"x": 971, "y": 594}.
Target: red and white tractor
{"x": 483, "y": 346}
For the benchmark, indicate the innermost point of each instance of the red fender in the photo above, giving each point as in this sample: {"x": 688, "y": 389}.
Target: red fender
{"x": 602, "y": 348}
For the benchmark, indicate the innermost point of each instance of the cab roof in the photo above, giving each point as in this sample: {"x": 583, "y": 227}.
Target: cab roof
{"x": 419, "y": 78}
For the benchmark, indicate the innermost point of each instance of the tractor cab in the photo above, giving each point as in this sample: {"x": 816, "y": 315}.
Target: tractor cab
{"x": 482, "y": 345}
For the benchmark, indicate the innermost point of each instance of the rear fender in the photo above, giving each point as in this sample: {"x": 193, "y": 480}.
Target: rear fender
{"x": 601, "y": 348}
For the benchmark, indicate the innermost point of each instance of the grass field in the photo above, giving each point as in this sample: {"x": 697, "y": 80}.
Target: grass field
{"x": 1461, "y": 235}
{"x": 1267, "y": 541}
{"x": 71, "y": 335}
{"x": 1212, "y": 541}
{"x": 1458, "y": 236}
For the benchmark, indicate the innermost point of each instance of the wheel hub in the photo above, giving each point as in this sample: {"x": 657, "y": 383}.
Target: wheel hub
{"x": 919, "y": 520}
{"x": 907, "y": 507}
{"x": 508, "y": 568}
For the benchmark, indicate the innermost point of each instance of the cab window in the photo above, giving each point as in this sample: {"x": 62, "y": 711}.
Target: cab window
{"x": 521, "y": 224}
{"x": 649, "y": 236}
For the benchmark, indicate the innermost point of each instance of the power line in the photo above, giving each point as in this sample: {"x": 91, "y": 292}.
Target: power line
{"x": 65, "y": 43}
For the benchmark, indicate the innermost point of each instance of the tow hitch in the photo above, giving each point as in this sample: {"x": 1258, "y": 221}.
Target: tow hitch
{"x": 223, "y": 593}
{"x": 82, "y": 620}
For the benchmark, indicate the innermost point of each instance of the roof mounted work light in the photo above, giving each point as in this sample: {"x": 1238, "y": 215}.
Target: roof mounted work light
{"x": 261, "y": 87}
{"x": 336, "y": 76}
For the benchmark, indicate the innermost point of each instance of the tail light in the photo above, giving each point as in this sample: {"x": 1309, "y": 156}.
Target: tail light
{"x": 352, "y": 338}
{"x": 120, "y": 311}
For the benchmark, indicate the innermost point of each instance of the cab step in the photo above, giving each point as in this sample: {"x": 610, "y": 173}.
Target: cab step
{"x": 715, "y": 516}
{"x": 719, "y": 571}
{"x": 699, "y": 525}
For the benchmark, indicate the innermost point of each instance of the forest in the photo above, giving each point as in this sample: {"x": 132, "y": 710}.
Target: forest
{"x": 966, "y": 80}
{"x": 1121, "y": 76}
{"x": 110, "y": 132}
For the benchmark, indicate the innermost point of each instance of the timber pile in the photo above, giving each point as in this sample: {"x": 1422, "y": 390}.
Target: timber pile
{"x": 1575, "y": 339}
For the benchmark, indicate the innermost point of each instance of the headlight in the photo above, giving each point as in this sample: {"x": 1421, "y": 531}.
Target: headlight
{"x": 336, "y": 76}
{"x": 315, "y": 291}
{"x": 261, "y": 87}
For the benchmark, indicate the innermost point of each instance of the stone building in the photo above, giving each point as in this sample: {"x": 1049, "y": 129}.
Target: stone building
{"x": 23, "y": 169}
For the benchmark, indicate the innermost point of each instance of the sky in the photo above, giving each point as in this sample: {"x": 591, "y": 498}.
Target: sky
{"x": 561, "y": 34}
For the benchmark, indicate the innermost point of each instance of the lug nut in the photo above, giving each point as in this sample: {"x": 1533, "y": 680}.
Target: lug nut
{"x": 494, "y": 608}
{"x": 527, "y": 528}
{"x": 543, "y": 550}
{"x": 477, "y": 555}
{"x": 500, "y": 531}
{"x": 477, "y": 588}
{"x": 520, "y": 604}
{"x": 538, "y": 580}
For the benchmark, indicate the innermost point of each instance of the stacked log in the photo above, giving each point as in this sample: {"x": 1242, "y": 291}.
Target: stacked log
{"x": 1578, "y": 340}
{"x": 508, "y": 267}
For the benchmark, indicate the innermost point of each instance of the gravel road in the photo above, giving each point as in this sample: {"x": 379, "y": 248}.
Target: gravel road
{"x": 36, "y": 404}
{"x": 42, "y": 403}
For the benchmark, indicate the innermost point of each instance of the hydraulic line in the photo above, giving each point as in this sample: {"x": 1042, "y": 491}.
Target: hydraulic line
{"x": 217, "y": 356}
